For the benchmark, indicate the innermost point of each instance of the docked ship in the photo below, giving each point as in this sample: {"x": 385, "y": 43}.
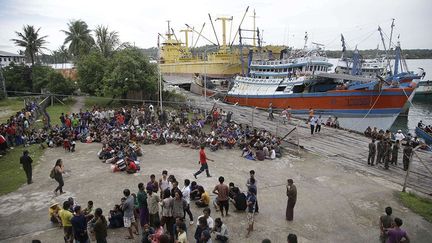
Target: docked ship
{"x": 221, "y": 61}
{"x": 302, "y": 83}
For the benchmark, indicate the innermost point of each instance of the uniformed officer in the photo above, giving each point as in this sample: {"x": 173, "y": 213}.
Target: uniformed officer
{"x": 372, "y": 152}
{"x": 407, "y": 155}
{"x": 395, "y": 152}
{"x": 26, "y": 162}
{"x": 386, "y": 153}
{"x": 379, "y": 151}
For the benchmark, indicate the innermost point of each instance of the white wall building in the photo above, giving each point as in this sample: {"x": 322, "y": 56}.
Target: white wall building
{"x": 6, "y": 58}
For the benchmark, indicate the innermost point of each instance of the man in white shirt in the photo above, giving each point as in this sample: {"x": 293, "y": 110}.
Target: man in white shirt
{"x": 399, "y": 136}
{"x": 206, "y": 215}
{"x": 186, "y": 196}
{"x": 313, "y": 122}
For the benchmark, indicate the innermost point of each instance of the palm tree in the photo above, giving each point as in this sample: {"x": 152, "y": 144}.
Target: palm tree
{"x": 79, "y": 38}
{"x": 106, "y": 41}
{"x": 30, "y": 40}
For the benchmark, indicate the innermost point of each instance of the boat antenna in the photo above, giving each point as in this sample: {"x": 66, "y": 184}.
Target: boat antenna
{"x": 305, "y": 40}
{"x": 214, "y": 31}
{"x": 254, "y": 29}
{"x": 200, "y": 35}
{"x": 244, "y": 15}
{"x": 391, "y": 33}
{"x": 169, "y": 31}
{"x": 229, "y": 39}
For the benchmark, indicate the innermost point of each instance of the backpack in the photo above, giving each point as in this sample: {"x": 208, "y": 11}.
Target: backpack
{"x": 52, "y": 173}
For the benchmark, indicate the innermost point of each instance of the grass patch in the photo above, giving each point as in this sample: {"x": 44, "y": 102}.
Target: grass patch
{"x": 12, "y": 176}
{"x": 55, "y": 110}
{"x": 9, "y": 107}
{"x": 100, "y": 102}
{"x": 421, "y": 206}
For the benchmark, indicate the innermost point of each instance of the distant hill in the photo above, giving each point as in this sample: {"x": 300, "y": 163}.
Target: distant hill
{"x": 408, "y": 54}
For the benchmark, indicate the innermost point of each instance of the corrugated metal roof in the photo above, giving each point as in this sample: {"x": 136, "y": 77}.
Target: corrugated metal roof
{"x": 9, "y": 54}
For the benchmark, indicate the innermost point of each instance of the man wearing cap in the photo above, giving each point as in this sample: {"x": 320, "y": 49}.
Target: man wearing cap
{"x": 399, "y": 135}
{"x": 26, "y": 162}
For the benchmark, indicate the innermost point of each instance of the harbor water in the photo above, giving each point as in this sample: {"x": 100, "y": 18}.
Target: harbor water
{"x": 421, "y": 109}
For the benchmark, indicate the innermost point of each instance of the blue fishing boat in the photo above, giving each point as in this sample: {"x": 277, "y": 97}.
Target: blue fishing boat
{"x": 426, "y": 136}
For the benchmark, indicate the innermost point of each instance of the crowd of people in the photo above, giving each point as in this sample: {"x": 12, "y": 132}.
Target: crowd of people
{"x": 385, "y": 146}
{"x": 157, "y": 212}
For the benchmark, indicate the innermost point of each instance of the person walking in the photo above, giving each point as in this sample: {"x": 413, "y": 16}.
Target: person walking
{"x": 292, "y": 199}
{"x": 386, "y": 222}
{"x": 57, "y": 172}
{"x": 26, "y": 162}
{"x": 251, "y": 203}
{"x": 372, "y": 152}
{"x": 203, "y": 162}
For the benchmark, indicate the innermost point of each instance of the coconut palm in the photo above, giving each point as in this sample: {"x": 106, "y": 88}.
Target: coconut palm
{"x": 79, "y": 38}
{"x": 31, "y": 41}
{"x": 106, "y": 41}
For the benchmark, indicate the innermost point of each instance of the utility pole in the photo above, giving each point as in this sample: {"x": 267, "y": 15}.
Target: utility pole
{"x": 3, "y": 83}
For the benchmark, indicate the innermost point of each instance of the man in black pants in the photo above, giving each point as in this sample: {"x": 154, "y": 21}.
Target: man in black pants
{"x": 26, "y": 162}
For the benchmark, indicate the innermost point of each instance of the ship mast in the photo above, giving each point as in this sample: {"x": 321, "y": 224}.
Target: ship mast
{"x": 254, "y": 28}
{"x": 186, "y": 31}
{"x": 224, "y": 20}
{"x": 169, "y": 34}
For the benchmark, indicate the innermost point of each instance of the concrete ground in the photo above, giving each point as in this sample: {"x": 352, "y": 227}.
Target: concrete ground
{"x": 334, "y": 204}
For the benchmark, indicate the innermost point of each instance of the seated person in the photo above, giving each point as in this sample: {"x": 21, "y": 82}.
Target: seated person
{"x": 329, "y": 121}
{"x": 233, "y": 190}
{"x": 238, "y": 199}
{"x": 89, "y": 210}
{"x": 205, "y": 198}
{"x": 194, "y": 192}
{"x": 231, "y": 142}
{"x": 116, "y": 217}
{"x": 260, "y": 155}
{"x": 335, "y": 123}
{"x": 131, "y": 167}
{"x": 220, "y": 230}
{"x": 53, "y": 213}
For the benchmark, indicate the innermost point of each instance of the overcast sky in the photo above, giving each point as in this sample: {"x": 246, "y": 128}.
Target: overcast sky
{"x": 282, "y": 21}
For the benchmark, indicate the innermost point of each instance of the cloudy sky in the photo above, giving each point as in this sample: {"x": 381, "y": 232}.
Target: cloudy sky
{"x": 282, "y": 21}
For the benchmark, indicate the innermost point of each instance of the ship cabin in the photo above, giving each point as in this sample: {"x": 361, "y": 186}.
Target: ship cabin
{"x": 368, "y": 68}
{"x": 274, "y": 69}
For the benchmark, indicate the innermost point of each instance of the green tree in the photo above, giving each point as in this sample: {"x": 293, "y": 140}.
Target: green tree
{"x": 57, "y": 84}
{"x": 40, "y": 74}
{"x": 79, "y": 38}
{"x": 17, "y": 78}
{"x": 106, "y": 41}
{"x": 31, "y": 41}
{"x": 91, "y": 70}
{"x": 130, "y": 70}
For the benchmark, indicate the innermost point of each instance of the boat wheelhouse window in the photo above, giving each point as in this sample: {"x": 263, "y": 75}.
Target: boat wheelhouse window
{"x": 298, "y": 88}
{"x": 280, "y": 88}
{"x": 285, "y": 70}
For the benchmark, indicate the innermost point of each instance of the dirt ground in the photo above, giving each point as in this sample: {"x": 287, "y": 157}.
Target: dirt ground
{"x": 334, "y": 204}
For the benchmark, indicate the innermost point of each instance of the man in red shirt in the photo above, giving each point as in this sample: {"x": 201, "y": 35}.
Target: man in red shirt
{"x": 203, "y": 162}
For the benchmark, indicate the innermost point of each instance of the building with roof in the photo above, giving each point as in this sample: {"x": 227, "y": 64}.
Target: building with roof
{"x": 7, "y": 57}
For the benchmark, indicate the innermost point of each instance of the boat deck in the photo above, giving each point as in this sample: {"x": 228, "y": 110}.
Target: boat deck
{"x": 347, "y": 148}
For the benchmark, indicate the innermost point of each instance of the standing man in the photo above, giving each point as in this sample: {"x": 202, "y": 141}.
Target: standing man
{"x": 395, "y": 151}
{"x": 313, "y": 123}
{"x": 318, "y": 124}
{"x": 379, "y": 150}
{"x": 251, "y": 203}
{"x": 252, "y": 183}
{"x": 386, "y": 157}
{"x": 186, "y": 196}
{"x": 407, "y": 155}
{"x": 79, "y": 226}
{"x": 292, "y": 199}
{"x": 153, "y": 206}
{"x": 26, "y": 162}
{"x": 270, "y": 112}
{"x": 222, "y": 192}
{"x": 203, "y": 162}
{"x": 372, "y": 152}
{"x": 385, "y": 222}
{"x": 142, "y": 205}
{"x": 128, "y": 213}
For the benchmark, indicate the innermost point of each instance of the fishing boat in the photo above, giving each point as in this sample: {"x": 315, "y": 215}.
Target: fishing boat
{"x": 302, "y": 83}
{"x": 424, "y": 90}
{"x": 423, "y": 134}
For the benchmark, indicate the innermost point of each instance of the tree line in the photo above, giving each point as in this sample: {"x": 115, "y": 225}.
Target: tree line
{"x": 105, "y": 65}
